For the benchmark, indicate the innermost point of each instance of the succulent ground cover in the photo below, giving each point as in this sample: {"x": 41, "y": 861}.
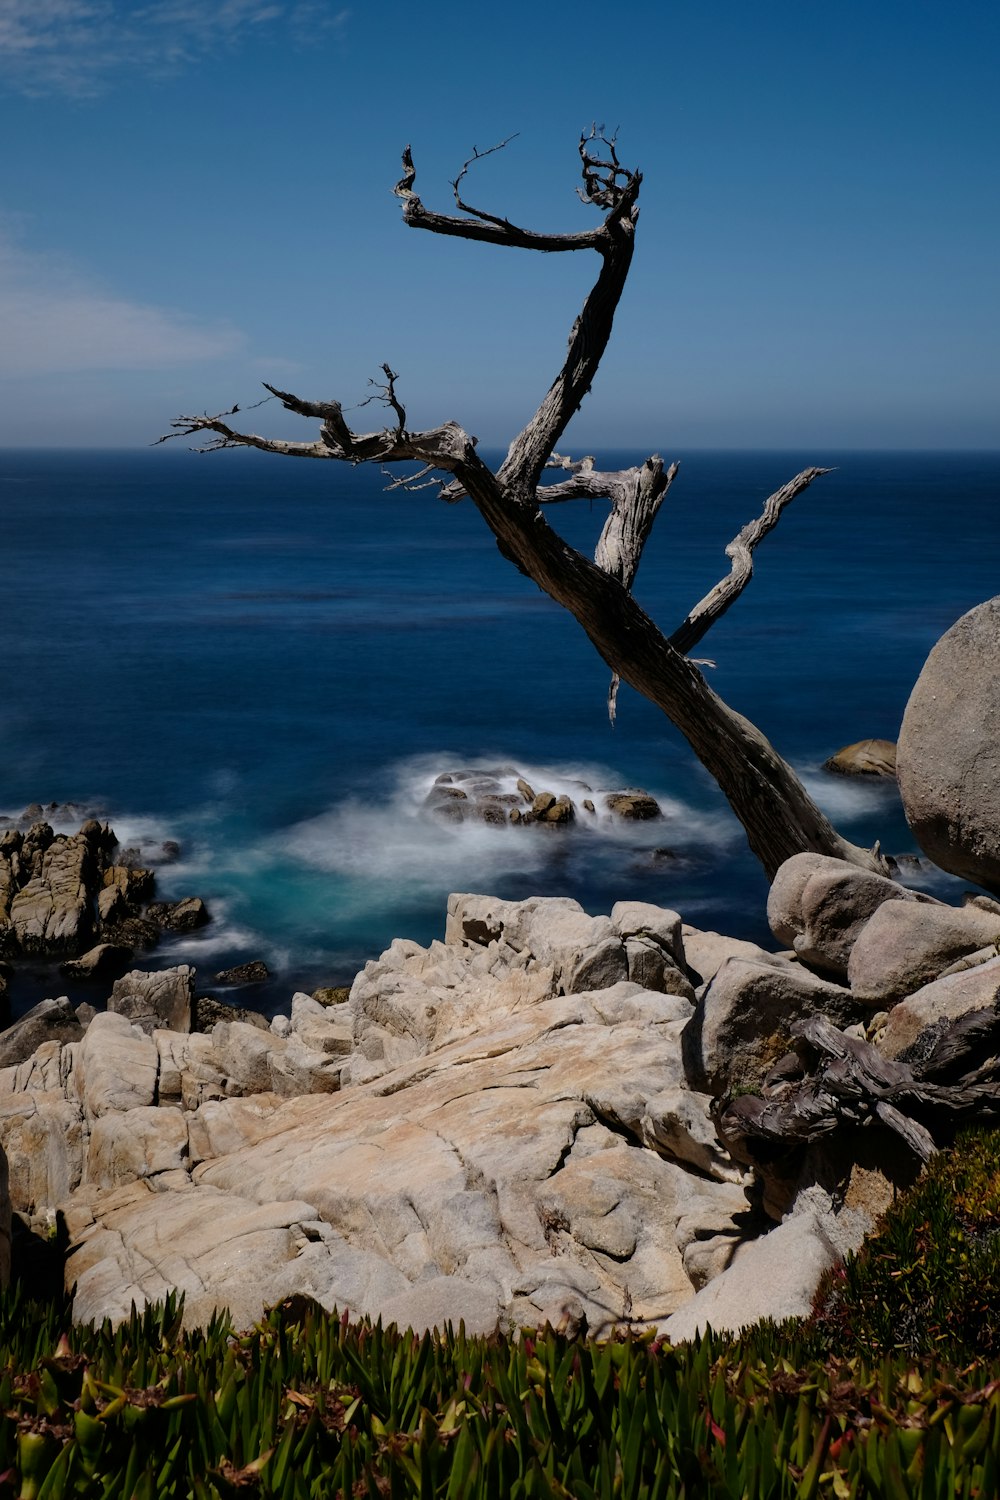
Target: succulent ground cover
{"x": 891, "y": 1390}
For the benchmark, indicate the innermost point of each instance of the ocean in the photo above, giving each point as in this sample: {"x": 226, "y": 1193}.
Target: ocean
{"x": 270, "y": 662}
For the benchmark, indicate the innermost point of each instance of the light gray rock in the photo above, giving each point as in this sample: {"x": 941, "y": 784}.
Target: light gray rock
{"x": 42, "y": 1072}
{"x": 948, "y": 755}
{"x": 244, "y": 1055}
{"x": 915, "y": 1024}
{"x": 160, "y": 999}
{"x": 775, "y": 1276}
{"x": 49, "y": 1020}
{"x": 583, "y": 952}
{"x": 706, "y": 952}
{"x": 118, "y": 1065}
{"x": 50, "y": 915}
{"x": 201, "y": 1074}
{"x": 305, "y": 1008}
{"x": 658, "y": 923}
{"x": 819, "y": 905}
{"x": 509, "y": 1162}
{"x": 904, "y": 946}
{"x": 784, "y": 901}
{"x": 217, "y": 1248}
{"x": 677, "y": 1123}
{"x": 411, "y": 999}
{"x": 137, "y": 1144}
{"x": 295, "y": 1069}
{"x": 318, "y": 1029}
{"x": 44, "y": 1139}
{"x": 221, "y": 1126}
{"x": 652, "y": 967}
{"x": 479, "y": 920}
{"x": 740, "y": 1025}
{"x": 442, "y": 1302}
{"x": 330, "y": 1037}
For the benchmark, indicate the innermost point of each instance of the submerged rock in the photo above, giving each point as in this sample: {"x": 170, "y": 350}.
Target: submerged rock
{"x": 869, "y": 758}
{"x": 502, "y": 796}
{"x": 254, "y": 971}
{"x": 634, "y": 805}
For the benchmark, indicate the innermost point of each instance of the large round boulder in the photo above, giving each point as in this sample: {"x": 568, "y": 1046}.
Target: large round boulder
{"x": 948, "y": 754}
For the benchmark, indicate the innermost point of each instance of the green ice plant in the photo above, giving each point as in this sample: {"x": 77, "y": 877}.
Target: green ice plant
{"x": 308, "y": 1405}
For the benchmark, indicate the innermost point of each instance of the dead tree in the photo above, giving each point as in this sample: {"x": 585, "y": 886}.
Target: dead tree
{"x": 779, "y": 816}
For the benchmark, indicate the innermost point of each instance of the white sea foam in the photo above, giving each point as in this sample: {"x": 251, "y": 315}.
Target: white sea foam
{"x": 396, "y": 838}
{"x": 849, "y": 798}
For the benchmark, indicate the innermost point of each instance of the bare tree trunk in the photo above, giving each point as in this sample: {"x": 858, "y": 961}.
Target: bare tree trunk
{"x": 776, "y": 811}
{"x": 779, "y": 816}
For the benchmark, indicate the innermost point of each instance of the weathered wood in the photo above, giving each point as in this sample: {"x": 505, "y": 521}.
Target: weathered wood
{"x": 777, "y": 813}
{"x": 740, "y": 551}
{"x": 847, "y": 1081}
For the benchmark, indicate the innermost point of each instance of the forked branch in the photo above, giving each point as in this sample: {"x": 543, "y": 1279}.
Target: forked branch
{"x": 608, "y": 186}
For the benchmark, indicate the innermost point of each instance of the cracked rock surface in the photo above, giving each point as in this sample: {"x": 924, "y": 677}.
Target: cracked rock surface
{"x": 489, "y": 1129}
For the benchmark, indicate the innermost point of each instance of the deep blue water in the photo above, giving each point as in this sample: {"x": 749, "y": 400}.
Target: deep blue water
{"x": 269, "y": 661}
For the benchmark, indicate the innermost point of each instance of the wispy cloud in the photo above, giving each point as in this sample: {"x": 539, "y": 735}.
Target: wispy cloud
{"x": 77, "y": 47}
{"x": 55, "y": 322}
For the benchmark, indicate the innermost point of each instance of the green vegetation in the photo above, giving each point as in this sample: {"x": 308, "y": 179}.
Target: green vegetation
{"x": 306, "y": 1405}
{"x": 928, "y": 1283}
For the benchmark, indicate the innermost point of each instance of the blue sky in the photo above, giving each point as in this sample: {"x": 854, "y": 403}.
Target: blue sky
{"x": 196, "y": 197}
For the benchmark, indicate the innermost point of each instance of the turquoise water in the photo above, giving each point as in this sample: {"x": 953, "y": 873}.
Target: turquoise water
{"x": 270, "y": 662}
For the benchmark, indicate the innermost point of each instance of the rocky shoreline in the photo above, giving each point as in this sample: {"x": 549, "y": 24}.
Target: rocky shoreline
{"x": 597, "y": 1122}
{"x": 529, "y": 1121}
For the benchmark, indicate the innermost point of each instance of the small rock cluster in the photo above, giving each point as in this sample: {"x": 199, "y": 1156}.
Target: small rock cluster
{"x": 503, "y": 796}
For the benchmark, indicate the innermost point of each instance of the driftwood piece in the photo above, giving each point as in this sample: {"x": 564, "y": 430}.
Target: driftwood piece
{"x": 847, "y": 1081}
{"x": 778, "y": 814}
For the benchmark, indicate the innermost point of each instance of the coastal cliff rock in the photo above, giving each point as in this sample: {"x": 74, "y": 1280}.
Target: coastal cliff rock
{"x": 76, "y": 897}
{"x": 949, "y": 750}
{"x": 511, "y": 1163}
{"x": 519, "y": 1143}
